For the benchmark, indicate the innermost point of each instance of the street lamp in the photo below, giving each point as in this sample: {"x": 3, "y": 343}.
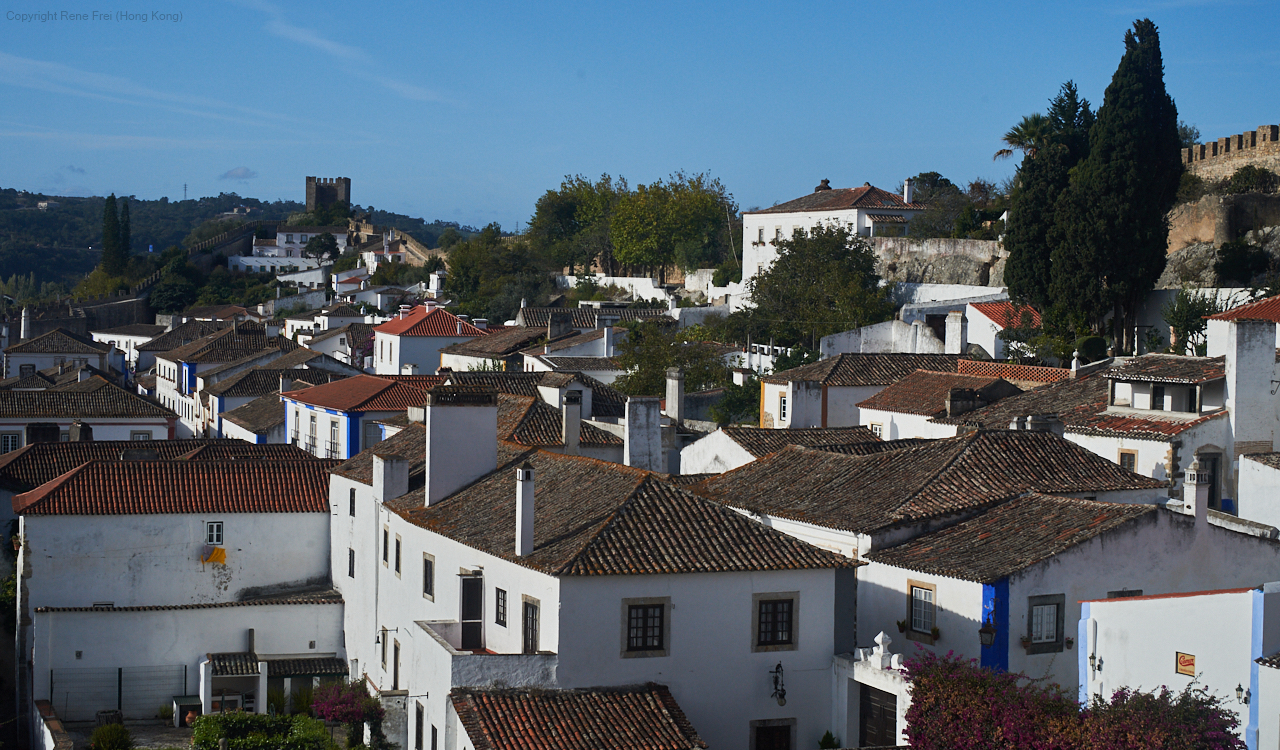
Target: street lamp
{"x": 779, "y": 689}
{"x": 987, "y": 633}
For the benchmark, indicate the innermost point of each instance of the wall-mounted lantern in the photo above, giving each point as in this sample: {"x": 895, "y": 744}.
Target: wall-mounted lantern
{"x": 779, "y": 689}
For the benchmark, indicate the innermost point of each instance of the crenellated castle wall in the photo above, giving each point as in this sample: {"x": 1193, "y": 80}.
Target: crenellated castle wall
{"x": 1218, "y": 160}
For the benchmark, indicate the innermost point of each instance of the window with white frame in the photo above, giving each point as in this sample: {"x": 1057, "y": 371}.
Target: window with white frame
{"x": 782, "y": 407}
{"x": 213, "y": 532}
{"x": 10, "y": 441}
{"x": 923, "y": 607}
{"x": 1045, "y": 623}
{"x": 140, "y": 435}
{"x": 877, "y": 429}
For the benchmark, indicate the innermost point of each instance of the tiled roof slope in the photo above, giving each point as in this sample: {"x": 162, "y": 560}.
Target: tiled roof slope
{"x": 1169, "y": 368}
{"x": 94, "y": 398}
{"x": 1263, "y": 309}
{"x": 643, "y": 717}
{"x": 32, "y": 465}
{"x": 358, "y": 333}
{"x": 1012, "y": 372}
{"x": 312, "y": 597}
{"x": 238, "y": 450}
{"x": 865, "y": 369}
{"x": 145, "y": 487}
{"x": 498, "y": 344}
{"x": 575, "y": 339}
{"x": 421, "y": 382}
{"x": 133, "y": 329}
{"x": 532, "y": 422}
{"x": 259, "y": 381}
{"x": 36, "y": 382}
{"x": 598, "y": 518}
{"x": 437, "y": 322}
{"x": 836, "y": 199}
{"x": 1266, "y": 459}
{"x": 866, "y": 449}
{"x": 605, "y": 400}
{"x": 228, "y": 345}
{"x": 1081, "y": 405}
{"x": 586, "y": 317}
{"x": 58, "y": 341}
{"x": 1006, "y": 314}
{"x": 361, "y": 393}
{"x": 925, "y": 393}
{"x": 409, "y": 443}
{"x": 183, "y": 334}
{"x": 259, "y": 415}
{"x": 1009, "y": 537}
{"x": 760, "y": 442}
{"x": 865, "y": 493}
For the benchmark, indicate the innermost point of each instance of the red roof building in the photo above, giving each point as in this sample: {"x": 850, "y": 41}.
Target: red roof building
{"x": 340, "y": 419}
{"x": 410, "y": 343}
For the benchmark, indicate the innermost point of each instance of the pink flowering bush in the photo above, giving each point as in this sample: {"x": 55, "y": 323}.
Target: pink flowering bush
{"x": 957, "y": 705}
{"x": 350, "y": 703}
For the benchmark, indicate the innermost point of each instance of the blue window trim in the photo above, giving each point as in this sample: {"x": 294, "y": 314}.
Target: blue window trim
{"x": 995, "y": 606}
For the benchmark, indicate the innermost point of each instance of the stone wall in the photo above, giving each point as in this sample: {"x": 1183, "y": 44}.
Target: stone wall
{"x": 940, "y": 260}
{"x": 1221, "y": 218}
{"x": 1220, "y": 159}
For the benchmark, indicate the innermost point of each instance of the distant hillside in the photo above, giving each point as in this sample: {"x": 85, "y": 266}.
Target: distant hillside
{"x": 55, "y": 244}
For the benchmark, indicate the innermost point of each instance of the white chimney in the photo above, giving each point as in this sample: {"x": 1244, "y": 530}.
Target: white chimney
{"x": 571, "y": 422}
{"x": 957, "y": 333}
{"x": 608, "y": 341}
{"x": 481, "y": 323}
{"x": 459, "y": 328}
{"x": 1195, "y": 494}
{"x": 908, "y": 191}
{"x": 390, "y": 477}
{"x": 404, "y": 311}
{"x": 642, "y": 440}
{"x": 524, "y": 510}
{"x": 408, "y": 368}
{"x": 675, "y": 395}
{"x": 430, "y": 305}
{"x": 461, "y": 432}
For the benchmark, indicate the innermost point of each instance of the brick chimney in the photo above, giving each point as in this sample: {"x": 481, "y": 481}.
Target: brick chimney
{"x": 462, "y": 430}
{"x": 824, "y": 185}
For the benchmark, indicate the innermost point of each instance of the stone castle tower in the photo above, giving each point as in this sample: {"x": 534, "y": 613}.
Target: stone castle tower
{"x": 323, "y": 191}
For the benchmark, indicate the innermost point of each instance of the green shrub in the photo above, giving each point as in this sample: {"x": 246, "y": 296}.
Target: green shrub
{"x": 1240, "y": 261}
{"x": 1191, "y": 188}
{"x": 303, "y": 697}
{"x": 165, "y": 713}
{"x": 245, "y": 731}
{"x": 278, "y": 700}
{"x": 112, "y": 737}
{"x": 1091, "y": 348}
{"x": 1251, "y": 179}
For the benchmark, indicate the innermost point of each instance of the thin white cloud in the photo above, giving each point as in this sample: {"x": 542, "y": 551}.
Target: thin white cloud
{"x": 239, "y": 173}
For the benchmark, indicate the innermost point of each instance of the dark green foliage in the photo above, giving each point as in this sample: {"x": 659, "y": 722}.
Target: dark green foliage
{"x": 115, "y": 259}
{"x": 1188, "y": 134}
{"x": 173, "y": 294}
{"x": 828, "y": 741}
{"x": 650, "y": 348}
{"x": 1113, "y": 216}
{"x": 729, "y": 272}
{"x": 111, "y": 737}
{"x": 489, "y": 275}
{"x": 126, "y": 232}
{"x": 1186, "y": 314}
{"x": 799, "y": 355}
{"x": 245, "y": 731}
{"x": 1240, "y": 261}
{"x": 1251, "y": 179}
{"x": 741, "y": 403}
{"x": 208, "y": 230}
{"x": 1191, "y": 187}
{"x": 346, "y": 263}
{"x": 822, "y": 282}
{"x": 323, "y": 245}
{"x": 1091, "y": 348}
{"x": 448, "y": 238}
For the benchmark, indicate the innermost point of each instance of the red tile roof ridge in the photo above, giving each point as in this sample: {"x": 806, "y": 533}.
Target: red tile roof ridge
{"x": 1267, "y": 309}
{"x": 1005, "y": 313}
{"x": 434, "y": 322}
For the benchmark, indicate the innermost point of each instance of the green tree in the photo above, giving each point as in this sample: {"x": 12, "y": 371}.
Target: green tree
{"x": 944, "y": 203}
{"x": 1188, "y": 134}
{"x": 448, "y": 238}
{"x": 1112, "y": 217}
{"x": 1028, "y": 136}
{"x": 114, "y": 259}
{"x": 322, "y": 245}
{"x": 126, "y": 231}
{"x": 651, "y": 348}
{"x": 822, "y": 282}
{"x": 741, "y": 403}
{"x": 1186, "y": 314}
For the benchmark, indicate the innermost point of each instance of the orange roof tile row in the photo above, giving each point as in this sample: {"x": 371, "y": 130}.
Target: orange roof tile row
{"x": 435, "y": 322}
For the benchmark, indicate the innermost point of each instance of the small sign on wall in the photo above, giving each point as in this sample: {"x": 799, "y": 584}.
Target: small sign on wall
{"x": 1185, "y": 663}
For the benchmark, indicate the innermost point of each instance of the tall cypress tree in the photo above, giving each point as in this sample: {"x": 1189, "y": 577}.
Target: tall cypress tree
{"x": 126, "y": 233}
{"x": 1112, "y": 218}
{"x": 111, "y": 264}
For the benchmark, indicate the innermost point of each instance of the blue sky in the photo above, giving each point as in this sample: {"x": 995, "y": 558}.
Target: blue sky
{"x": 470, "y": 111}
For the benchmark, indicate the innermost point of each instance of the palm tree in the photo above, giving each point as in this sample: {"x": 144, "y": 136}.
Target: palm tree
{"x": 1028, "y": 136}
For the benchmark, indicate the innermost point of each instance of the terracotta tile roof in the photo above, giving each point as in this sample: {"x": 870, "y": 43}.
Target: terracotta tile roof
{"x": 598, "y": 518}
{"x": 1263, "y": 309}
{"x": 94, "y": 398}
{"x": 1010, "y": 537}
{"x": 259, "y": 381}
{"x": 146, "y": 487}
{"x": 218, "y": 312}
{"x": 244, "y": 664}
{"x": 36, "y": 382}
{"x": 498, "y": 344}
{"x": 586, "y": 317}
{"x": 887, "y": 219}
{"x": 421, "y": 382}
{"x": 341, "y": 311}
{"x": 579, "y": 364}
{"x": 357, "y": 333}
{"x": 230, "y": 344}
{"x": 534, "y": 423}
{"x": 1012, "y": 372}
{"x": 1169, "y": 368}
{"x": 865, "y": 369}
{"x": 360, "y": 393}
{"x": 134, "y": 329}
{"x": 866, "y": 449}
{"x": 409, "y": 443}
{"x": 940, "y": 477}
{"x": 621, "y": 718}
{"x": 605, "y": 400}
{"x": 59, "y": 341}
{"x": 238, "y": 450}
{"x": 924, "y": 392}
{"x": 1266, "y": 459}
{"x": 321, "y": 597}
{"x": 437, "y": 322}
{"x": 183, "y": 334}
{"x": 1153, "y": 428}
{"x": 572, "y": 340}
{"x": 836, "y": 199}
{"x": 32, "y": 465}
{"x": 760, "y": 442}
{"x": 259, "y": 415}
{"x": 1008, "y": 315}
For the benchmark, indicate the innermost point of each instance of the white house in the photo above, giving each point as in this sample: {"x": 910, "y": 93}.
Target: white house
{"x": 59, "y": 347}
{"x": 290, "y": 241}
{"x": 92, "y": 408}
{"x": 987, "y": 320}
{"x": 867, "y": 211}
{"x": 1257, "y": 499}
{"x": 504, "y": 568}
{"x": 338, "y": 419}
{"x": 826, "y": 393}
{"x": 277, "y": 264}
{"x": 128, "y": 339}
{"x": 730, "y": 447}
{"x": 350, "y": 343}
{"x": 1226, "y": 644}
{"x": 414, "y": 338}
{"x": 162, "y": 536}
{"x": 501, "y": 350}
{"x": 181, "y": 334}
{"x": 907, "y": 408}
{"x": 301, "y": 366}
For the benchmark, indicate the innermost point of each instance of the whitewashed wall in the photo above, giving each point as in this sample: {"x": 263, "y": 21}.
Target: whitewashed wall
{"x": 896, "y": 426}
{"x": 713, "y": 454}
{"x": 1259, "y": 496}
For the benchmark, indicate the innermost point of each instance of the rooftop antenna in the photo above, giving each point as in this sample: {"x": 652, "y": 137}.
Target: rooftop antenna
{"x": 184, "y": 191}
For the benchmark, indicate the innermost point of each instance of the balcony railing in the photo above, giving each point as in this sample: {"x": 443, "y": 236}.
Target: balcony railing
{"x": 331, "y": 449}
